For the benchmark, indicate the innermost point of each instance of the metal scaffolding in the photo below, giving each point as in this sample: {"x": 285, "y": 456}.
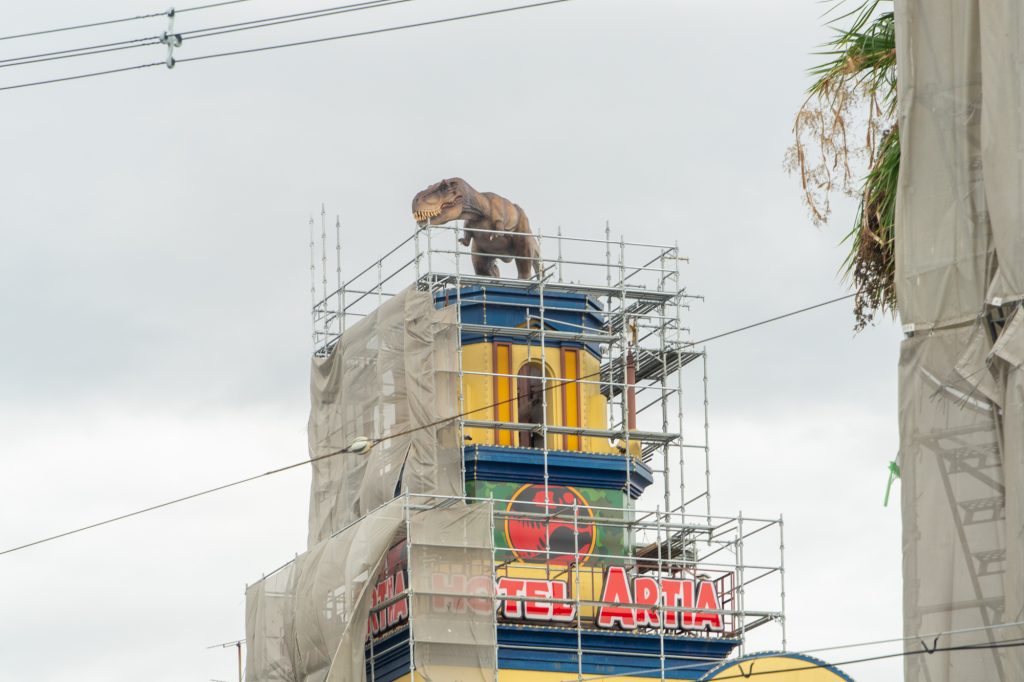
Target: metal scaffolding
{"x": 671, "y": 530}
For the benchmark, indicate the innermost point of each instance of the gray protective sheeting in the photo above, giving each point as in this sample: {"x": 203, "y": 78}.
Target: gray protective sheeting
{"x": 307, "y": 622}
{"x": 392, "y": 373}
{"x": 960, "y": 254}
{"x": 451, "y": 556}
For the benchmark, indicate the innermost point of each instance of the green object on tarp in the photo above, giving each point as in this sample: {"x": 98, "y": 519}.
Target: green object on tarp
{"x": 894, "y": 473}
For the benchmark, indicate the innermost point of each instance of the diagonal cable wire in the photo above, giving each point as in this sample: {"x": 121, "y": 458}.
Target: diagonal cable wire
{"x": 358, "y": 34}
{"x": 195, "y": 33}
{"x": 169, "y": 503}
{"x": 294, "y": 465}
{"x": 293, "y": 44}
{"x": 118, "y": 21}
{"x": 79, "y": 51}
{"x": 287, "y": 18}
{"x": 805, "y": 666}
{"x": 210, "y": 5}
{"x": 92, "y": 25}
{"x": 80, "y": 76}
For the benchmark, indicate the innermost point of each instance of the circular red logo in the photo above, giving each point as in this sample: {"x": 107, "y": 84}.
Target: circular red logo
{"x": 531, "y": 537}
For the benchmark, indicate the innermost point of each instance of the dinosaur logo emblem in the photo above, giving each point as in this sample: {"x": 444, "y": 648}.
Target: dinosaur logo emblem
{"x": 531, "y": 538}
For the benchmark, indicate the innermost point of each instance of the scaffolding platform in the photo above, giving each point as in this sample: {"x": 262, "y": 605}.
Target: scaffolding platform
{"x": 582, "y": 539}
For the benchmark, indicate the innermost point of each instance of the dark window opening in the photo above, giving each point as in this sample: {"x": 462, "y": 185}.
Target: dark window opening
{"x": 530, "y": 399}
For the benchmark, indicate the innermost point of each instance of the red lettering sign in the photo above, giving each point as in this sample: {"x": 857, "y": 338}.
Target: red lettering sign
{"x": 674, "y": 595}
{"x": 549, "y": 601}
{"x": 511, "y": 587}
{"x": 616, "y": 590}
{"x": 389, "y": 616}
{"x": 707, "y": 598}
{"x": 643, "y": 602}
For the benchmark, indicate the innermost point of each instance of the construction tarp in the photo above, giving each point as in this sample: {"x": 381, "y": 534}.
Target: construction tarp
{"x": 307, "y": 622}
{"x": 392, "y": 377}
{"x": 959, "y": 278}
{"x": 451, "y": 575}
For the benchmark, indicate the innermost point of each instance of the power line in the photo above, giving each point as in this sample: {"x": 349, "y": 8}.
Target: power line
{"x": 119, "y": 21}
{"x": 750, "y": 672}
{"x": 388, "y": 29}
{"x": 318, "y": 458}
{"x": 210, "y": 5}
{"x": 80, "y": 51}
{"x": 166, "y": 504}
{"x": 288, "y": 18}
{"x": 81, "y": 75}
{"x": 921, "y": 637}
{"x": 195, "y": 33}
{"x": 293, "y": 44}
{"x": 94, "y": 24}
{"x": 773, "y": 319}
{"x": 811, "y": 665}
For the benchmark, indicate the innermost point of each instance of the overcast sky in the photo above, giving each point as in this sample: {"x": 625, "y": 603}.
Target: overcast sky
{"x": 154, "y": 288}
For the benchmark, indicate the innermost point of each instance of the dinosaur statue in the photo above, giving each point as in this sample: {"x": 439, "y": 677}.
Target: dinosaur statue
{"x": 454, "y": 199}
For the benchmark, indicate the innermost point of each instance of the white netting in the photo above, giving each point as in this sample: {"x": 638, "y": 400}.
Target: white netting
{"x": 960, "y": 261}
{"x": 392, "y": 373}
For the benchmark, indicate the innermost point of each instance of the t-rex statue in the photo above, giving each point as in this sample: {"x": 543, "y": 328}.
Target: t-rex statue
{"x": 505, "y": 229}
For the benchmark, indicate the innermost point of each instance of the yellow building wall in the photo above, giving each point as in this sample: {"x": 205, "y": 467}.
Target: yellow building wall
{"x": 778, "y": 668}
{"x": 484, "y": 390}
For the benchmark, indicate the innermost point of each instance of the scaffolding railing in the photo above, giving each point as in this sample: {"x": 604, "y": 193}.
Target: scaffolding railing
{"x": 653, "y": 411}
{"x": 669, "y": 560}
{"x": 642, "y": 300}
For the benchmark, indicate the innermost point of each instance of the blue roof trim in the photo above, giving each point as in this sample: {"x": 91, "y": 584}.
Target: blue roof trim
{"x": 500, "y": 294}
{"x": 608, "y": 653}
{"x": 502, "y": 307}
{"x": 580, "y": 469}
{"x": 554, "y": 650}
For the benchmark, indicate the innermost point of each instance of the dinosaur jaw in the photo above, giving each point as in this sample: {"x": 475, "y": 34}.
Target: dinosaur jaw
{"x": 445, "y": 211}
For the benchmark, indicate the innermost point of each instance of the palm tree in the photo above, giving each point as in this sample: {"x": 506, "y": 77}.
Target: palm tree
{"x": 848, "y": 122}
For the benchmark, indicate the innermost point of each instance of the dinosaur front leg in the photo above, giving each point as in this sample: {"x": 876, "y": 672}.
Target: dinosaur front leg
{"x": 485, "y": 265}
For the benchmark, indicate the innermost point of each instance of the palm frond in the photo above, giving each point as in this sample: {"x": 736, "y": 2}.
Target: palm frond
{"x": 871, "y": 263}
{"x": 854, "y": 88}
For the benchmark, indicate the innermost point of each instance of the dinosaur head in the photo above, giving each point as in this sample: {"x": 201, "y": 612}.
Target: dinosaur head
{"x": 440, "y": 203}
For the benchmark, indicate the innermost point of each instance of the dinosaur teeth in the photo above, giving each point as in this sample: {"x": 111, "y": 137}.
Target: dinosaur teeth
{"x": 424, "y": 215}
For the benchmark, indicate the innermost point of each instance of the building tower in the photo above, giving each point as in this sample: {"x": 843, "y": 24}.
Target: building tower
{"x": 529, "y": 508}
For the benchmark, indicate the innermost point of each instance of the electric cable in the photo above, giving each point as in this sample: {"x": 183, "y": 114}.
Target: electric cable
{"x": 564, "y": 382}
{"x": 81, "y": 75}
{"x": 750, "y": 672}
{"x": 92, "y": 25}
{"x": 287, "y": 18}
{"x": 195, "y": 33}
{"x": 265, "y": 48}
{"x": 812, "y": 665}
{"x": 168, "y": 503}
{"x": 373, "y": 443}
{"x": 210, "y": 5}
{"x": 119, "y": 21}
{"x": 772, "y": 319}
{"x": 80, "y": 51}
{"x": 358, "y": 34}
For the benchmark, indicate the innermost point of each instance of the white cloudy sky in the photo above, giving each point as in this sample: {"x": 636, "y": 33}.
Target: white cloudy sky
{"x": 154, "y": 288}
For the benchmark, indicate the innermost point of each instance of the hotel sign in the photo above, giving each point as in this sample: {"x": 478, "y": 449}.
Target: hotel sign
{"x": 626, "y": 604}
